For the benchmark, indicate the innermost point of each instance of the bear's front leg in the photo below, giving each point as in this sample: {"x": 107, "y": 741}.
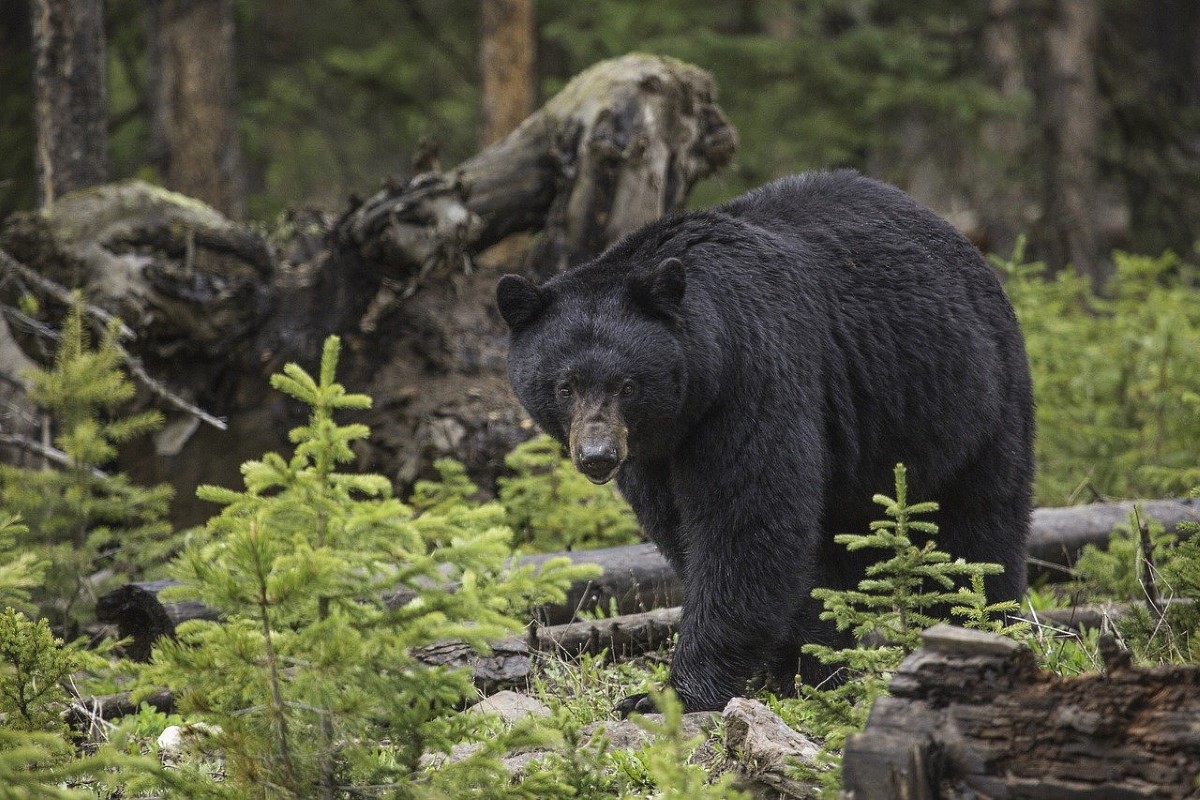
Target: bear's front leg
{"x": 739, "y": 605}
{"x": 751, "y": 543}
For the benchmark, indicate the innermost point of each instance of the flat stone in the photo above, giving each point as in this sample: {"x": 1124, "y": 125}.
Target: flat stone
{"x": 954, "y": 640}
{"x": 510, "y": 706}
{"x": 768, "y": 749}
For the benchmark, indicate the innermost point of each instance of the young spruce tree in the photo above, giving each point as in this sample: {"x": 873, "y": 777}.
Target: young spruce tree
{"x": 82, "y": 521}
{"x": 897, "y": 599}
{"x": 310, "y": 677}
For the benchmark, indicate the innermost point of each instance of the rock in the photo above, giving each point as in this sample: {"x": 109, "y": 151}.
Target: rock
{"x": 510, "y": 706}
{"x": 626, "y": 735}
{"x": 177, "y": 740}
{"x": 768, "y": 750}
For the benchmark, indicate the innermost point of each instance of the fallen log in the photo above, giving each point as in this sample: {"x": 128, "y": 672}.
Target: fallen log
{"x": 1058, "y": 535}
{"x": 971, "y": 715}
{"x": 507, "y": 666}
{"x": 636, "y": 578}
{"x": 215, "y": 307}
{"x": 509, "y": 663}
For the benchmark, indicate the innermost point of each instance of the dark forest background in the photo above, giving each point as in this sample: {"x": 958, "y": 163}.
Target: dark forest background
{"x": 1077, "y": 123}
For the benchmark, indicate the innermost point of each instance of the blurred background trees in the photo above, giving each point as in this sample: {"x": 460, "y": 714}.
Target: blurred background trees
{"x": 1075, "y": 122}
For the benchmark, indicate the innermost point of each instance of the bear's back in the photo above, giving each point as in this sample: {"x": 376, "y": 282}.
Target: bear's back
{"x": 850, "y": 213}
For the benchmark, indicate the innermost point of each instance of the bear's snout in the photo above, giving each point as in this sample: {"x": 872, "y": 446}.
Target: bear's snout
{"x": 598, "y": 460}
{"x": 598, "y": 443}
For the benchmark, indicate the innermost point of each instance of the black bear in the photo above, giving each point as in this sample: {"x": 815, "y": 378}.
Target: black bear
{"x": 751, "y": 374}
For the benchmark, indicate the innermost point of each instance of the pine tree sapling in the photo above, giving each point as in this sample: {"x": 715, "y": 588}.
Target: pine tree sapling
{"x": 20, "y": 572}
{"x": 308, "y": 669}
{"x": 553, "y": 507}
{"x": 900, "y": 596}
{"x": 81, "y": 520}
{"x": 34, "y": 667}
{"x": 896, "y": 599}
{"x": 38, "y": 759}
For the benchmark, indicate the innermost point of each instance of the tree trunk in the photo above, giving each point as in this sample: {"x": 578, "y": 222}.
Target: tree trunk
{"x": 997, "y": 191}
{"x": 506, "y": 62}
{"x": 972, "y": 716}
{"x": 1069, "y": 108}
{"x": 70, "y": 110}
{"x": 194, "y": 119}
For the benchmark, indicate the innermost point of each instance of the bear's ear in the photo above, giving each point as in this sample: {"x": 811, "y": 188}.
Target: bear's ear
{"x": 520, "y": 301}
{"x": 659, "y": 290}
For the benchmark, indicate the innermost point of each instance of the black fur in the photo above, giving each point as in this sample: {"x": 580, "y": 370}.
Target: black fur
{"x": 824, "y": 328}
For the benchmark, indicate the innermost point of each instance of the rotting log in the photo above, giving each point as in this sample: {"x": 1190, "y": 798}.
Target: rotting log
{"x": 971, "y": 715}
{"x": 402, "y": 277}
{"x": 622, "y": 144}
{"x": 636, "y": 578}
{"x": 1058, "y": 535}
{"x": 508, "y": 665}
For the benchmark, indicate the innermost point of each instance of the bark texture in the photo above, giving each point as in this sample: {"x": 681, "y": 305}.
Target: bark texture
{"x": 972, "y": 716}
{"x": 70, "y": 108}
{"x": 506, "y": 62}
{"x": 194, "y": 121}
{"x": 1069, "y": 106}
{"x": 403, "y": 277}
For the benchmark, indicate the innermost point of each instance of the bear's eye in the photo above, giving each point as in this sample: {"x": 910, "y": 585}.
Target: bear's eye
{"x": 564, "y": 390}
{"x": 626, "y": 389}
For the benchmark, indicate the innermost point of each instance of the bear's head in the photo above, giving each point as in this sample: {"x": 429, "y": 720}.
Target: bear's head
{"x": 597, "y": 359}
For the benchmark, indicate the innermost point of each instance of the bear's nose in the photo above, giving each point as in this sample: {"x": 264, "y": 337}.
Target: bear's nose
{"x": 597, "y": 461}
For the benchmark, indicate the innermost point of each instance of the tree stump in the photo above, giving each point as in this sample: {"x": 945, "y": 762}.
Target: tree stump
{"x": 971, "y": 715}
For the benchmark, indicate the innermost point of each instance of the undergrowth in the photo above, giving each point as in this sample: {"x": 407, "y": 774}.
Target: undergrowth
{"x": 308, "y": 686}
{"x": 1115, "y": 376}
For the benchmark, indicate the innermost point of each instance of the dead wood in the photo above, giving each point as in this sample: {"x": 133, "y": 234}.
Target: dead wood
{"x": 507, "y": 665}
{"x": 972, "y": 716}
{"x": 622, "y": 144}
{"x": 403, "y": 277}
{"x": 624, "y": 636}
{"x": 636, "y": 578}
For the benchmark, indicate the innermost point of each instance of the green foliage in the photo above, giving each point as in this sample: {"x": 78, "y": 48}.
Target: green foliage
{"x": 1162, "y": 588}
{"x": 453, "y": 488}
{"x": 549, "y": 505}
{"x": 33, "y": 670}
{"x": 1115, "y": 572}
{"x": 900, "y": 593}
{"x": 81, "y": 520}
{"x": 665, "y": 760}
{"x": 328, "y": 109}
{"x": 552, "y": 506}
{"x": 37, "y": 760}
{"x": 19, "y": 571}
{"x": 895, "y": 601}
{"x": 138, "y": 732}
{"x": 586, "y": 689}
{"x": 1066, "y": 653}
{"x": 34, "y": 766}
{"x": 309, "y": 669}
{"x": 1116, "y": 379}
